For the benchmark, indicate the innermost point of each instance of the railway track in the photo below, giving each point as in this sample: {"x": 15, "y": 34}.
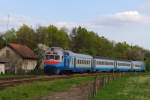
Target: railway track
{"x": 13, "y": 81}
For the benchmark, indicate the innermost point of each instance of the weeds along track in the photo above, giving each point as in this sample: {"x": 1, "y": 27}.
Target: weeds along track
{"x": 13, "y": 81}
{"x": 16, "y": 77}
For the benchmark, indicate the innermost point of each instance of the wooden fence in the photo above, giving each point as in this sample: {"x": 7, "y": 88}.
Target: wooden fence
{"x": 90, "y": 89}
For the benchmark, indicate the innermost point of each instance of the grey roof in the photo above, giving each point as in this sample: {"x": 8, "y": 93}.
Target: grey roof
{"x": 77, "y": 54}
{"x": 100, "y": 57}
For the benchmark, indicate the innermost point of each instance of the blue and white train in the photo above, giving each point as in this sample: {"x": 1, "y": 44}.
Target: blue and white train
{"x": 58, "y": 60}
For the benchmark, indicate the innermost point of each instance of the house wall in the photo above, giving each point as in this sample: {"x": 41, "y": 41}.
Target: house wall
{"x": 15, "y": 61}
{"x": 2, "y": 68}
{"x": 29, "y": 64}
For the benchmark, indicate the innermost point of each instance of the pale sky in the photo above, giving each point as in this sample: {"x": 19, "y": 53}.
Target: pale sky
{"x": 118, "y": 20}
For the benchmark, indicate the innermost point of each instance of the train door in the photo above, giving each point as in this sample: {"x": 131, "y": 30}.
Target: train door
{"x": 93, "y": 64}
{"x": 74, "y": 62}
{"x": 66, "y": 62}
{"x": 115, "y": 65}
{"x": 132, "y": 66}
{"x": 71, "y": 62}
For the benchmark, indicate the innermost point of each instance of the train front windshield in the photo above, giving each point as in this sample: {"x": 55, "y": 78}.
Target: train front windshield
{"x": 52, "y": 57}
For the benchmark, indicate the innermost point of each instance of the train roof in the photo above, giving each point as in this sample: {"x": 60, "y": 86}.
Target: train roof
{"x": 77, "y": 54}
{"x": 124, "y": 60}
{"x": 107, "y": 58}
{"x": 55, "y": 48}
{"x": 100, "y": 57}
{"x": 138, "y": 61}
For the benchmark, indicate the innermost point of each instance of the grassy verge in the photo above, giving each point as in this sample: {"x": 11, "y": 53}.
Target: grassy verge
{"x": 6, "y": 76}
{"x": 126, "y": 88}
{"x": 33, "y": 90}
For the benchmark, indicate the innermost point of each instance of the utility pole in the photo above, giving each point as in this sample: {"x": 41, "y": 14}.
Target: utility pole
{"x": 7, "y": 26}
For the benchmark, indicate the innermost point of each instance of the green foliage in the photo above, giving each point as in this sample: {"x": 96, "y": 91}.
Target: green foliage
{"x": 52, "y": 36}
{"x": 26, "y": 36}
{"x": 10, "y": 36}
{"x": 147, "y": 64}
{"x": 126, "y": 88}
{"x": 2, "y": 42}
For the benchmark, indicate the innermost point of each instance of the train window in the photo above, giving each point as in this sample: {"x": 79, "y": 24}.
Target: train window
{"x": 88, "y": 62}
{"x": 102, "y": 63}
{"x": 97, "y": 62}
{"x": 78, "y": 62}
{"x": 137, "y": 66}
{"x": 48, "y": 57}
{"x": 72, "y": 61}
{"x": 123, "y": 64}
{"x": 109, "y": 63}
{"x": 57, "y": 57}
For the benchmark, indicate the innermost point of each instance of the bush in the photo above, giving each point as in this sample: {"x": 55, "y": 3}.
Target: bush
{"x": 36, "y": 72}
{"x": 147, "y": 65}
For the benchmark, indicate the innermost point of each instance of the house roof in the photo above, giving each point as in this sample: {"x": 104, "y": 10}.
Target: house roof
{"x": 24, "y": 51}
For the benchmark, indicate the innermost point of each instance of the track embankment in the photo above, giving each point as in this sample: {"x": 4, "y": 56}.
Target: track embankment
{"x": 13, "y": 81}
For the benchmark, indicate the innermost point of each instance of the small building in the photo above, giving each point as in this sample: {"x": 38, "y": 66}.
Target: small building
{"x": 20, "y": 57}
{"x": 2, "y": 66}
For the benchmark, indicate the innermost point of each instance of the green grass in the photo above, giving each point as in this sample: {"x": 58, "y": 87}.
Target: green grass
{"x": 126, "y": 88}
{"x": 6, "y": 75}
{"x": 32, "y": 91}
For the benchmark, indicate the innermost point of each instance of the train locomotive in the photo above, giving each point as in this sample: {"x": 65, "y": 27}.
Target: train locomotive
{"x": 59, "y": 61}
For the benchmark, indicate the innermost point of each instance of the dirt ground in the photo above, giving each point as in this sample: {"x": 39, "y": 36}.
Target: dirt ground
{"x": 75, "y": 93}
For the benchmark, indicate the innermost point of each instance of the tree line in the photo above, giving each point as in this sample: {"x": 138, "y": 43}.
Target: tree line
{"x": 79, "y": 40}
